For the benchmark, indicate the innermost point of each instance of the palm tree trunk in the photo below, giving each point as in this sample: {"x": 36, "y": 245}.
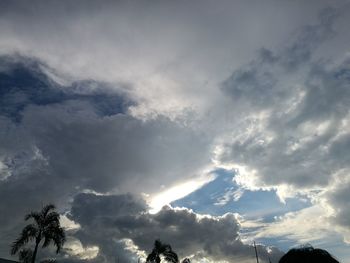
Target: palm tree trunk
{"x": 37, "y": 241}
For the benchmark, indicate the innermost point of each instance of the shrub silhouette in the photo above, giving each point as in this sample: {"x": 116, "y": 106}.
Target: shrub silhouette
{"x": 46, "y": 228}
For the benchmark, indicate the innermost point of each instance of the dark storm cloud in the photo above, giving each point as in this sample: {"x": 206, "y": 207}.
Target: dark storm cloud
{"x": 88, "y": 134}
{"x": 56, "y": 142}
{"x": 27, "y": 180}
{"x": 23, "y": 83}
{"x": 108, "y": 218}
{"x": 98, "y": 216}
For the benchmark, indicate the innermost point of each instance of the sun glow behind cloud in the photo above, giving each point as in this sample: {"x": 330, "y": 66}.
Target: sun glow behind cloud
{"x": 178, "y": 191}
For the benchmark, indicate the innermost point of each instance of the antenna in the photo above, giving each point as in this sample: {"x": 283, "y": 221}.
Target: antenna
{"x": 256, "y": 253}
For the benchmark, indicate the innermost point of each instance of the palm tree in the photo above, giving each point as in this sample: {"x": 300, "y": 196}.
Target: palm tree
{"x": 161, "y": 249}
{"x": 46, "y": 228}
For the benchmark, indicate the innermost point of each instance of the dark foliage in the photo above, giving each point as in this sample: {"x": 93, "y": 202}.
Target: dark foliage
{"x": 307, "y": 255}
{"x": 161, "y": 249}
{"x": 46, "y": 227}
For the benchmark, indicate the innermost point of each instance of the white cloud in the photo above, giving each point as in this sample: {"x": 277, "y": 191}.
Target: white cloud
{"x": 304, "y": 226}
{"x": 74, "y": 248}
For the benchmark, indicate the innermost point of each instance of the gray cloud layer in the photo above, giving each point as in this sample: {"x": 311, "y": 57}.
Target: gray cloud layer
{"x": 52, "y": 148}
{"x": 301, "y": 139}
{"x": 293, "y": 111}
{"x": 138, "y": 107}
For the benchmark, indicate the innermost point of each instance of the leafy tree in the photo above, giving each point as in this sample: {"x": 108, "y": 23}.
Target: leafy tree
{"x": 46, "y": 227}
{"x": 161, "y": 249}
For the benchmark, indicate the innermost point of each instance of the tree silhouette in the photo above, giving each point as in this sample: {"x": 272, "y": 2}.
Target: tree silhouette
{"x": 308, "y": 254}
{"x": 164, "y": 250}
{"x": 46, "y": 228}
{"x": 25, "y": 255}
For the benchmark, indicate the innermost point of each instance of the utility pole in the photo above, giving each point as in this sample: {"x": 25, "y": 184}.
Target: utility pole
{"x": 256, "y": 253}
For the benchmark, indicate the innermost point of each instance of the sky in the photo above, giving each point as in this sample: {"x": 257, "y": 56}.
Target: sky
{"x": 206, "y": 124}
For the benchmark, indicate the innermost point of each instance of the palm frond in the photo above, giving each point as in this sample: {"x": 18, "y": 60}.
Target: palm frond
{"x": 28, "y": 233}
{"x": 47, "y": 241}
{"x": 34, "y": 215}
{"x": 59, "y": 238}
{"x": 171, "y": 256}
{"x": 52, "y": 217}
{"x": 46, "y": 209}
{"x": 152, "y": 256}
{"x": 25, "y": 255}
{"x": 164, "y": 250}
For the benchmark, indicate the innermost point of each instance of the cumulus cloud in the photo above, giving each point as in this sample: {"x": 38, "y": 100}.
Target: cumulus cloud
{"x": 105, "y": 219}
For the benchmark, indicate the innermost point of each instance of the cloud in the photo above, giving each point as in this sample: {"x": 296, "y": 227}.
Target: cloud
{"x": 292, "y": 129}
{"x": 298, "y": 226}
{"x": 60, "y": 140}
{"x": 173, "y": 53}
{"x": 289, "y": 134}
{"x": 336, "y": 200}
{"x": 27, "y": 81}
{"x": 109, "y": 143}
{"x": 107, "y": 218}
{"x": 125, "y": 98}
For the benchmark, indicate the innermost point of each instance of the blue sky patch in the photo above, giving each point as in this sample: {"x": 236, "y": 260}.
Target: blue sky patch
{"x": 260, "y": 204}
